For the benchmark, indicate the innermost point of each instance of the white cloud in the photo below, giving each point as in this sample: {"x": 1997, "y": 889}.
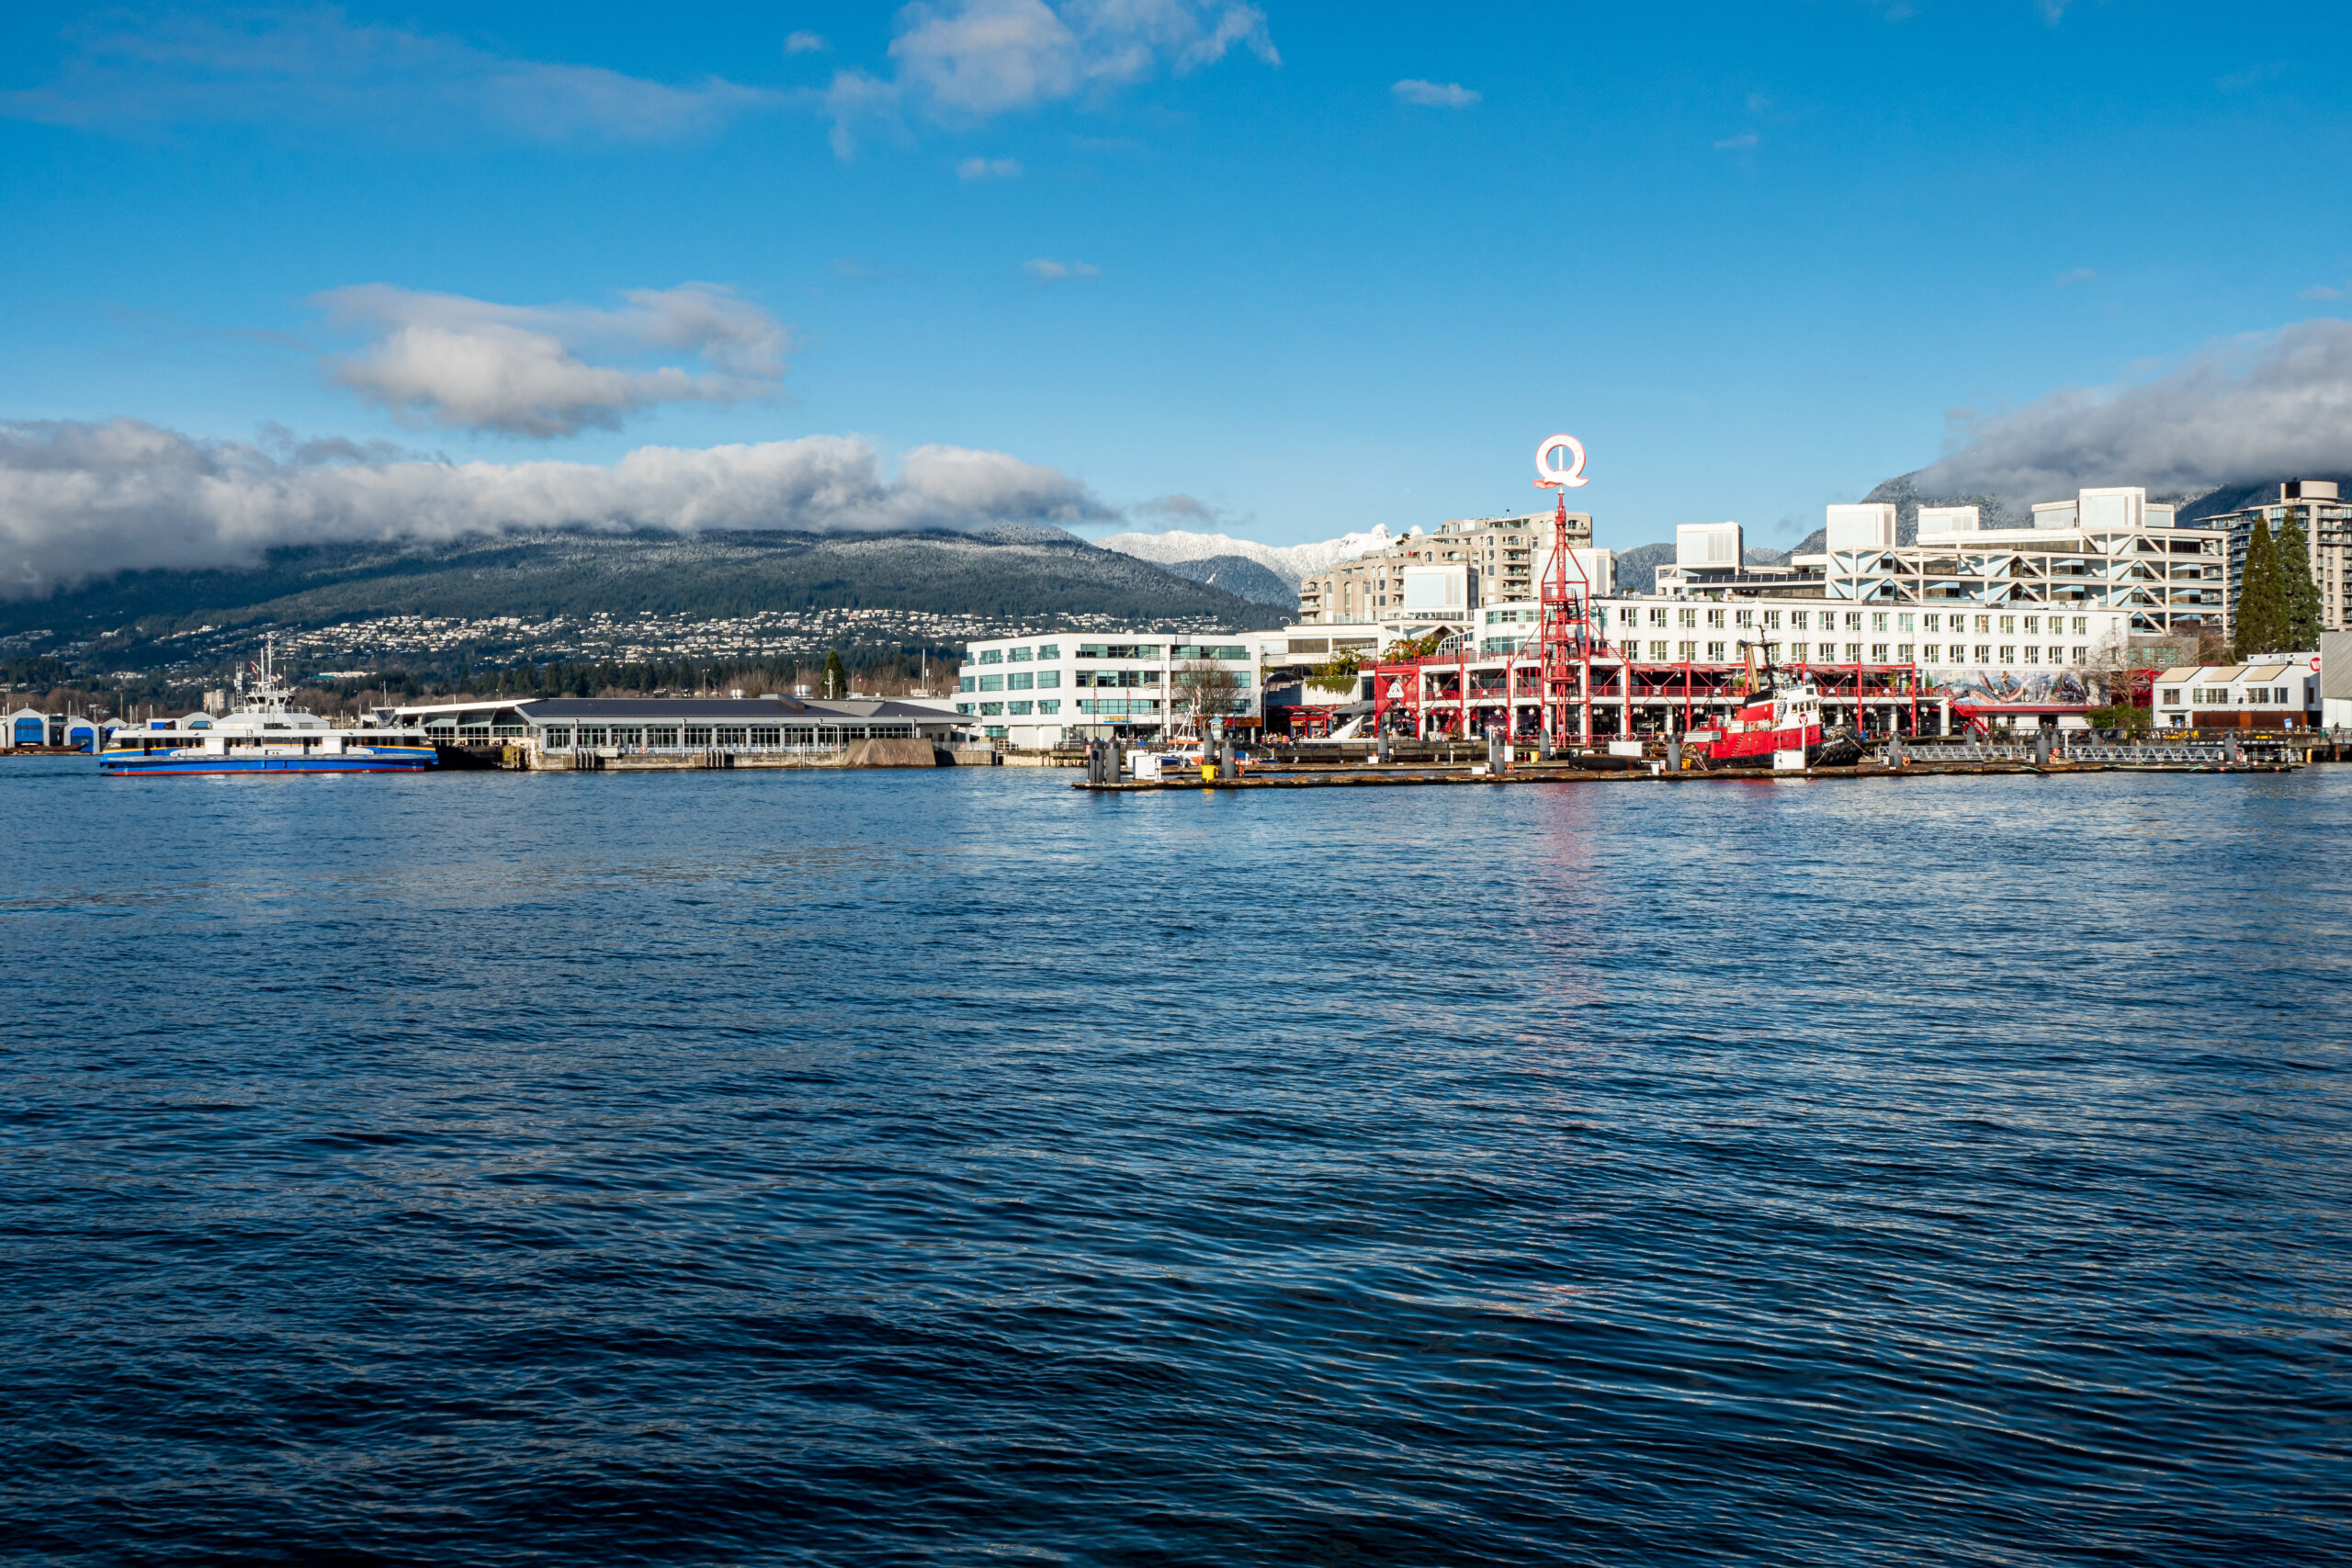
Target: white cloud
{"x": 314, "y": 67}
{"x": 82, "y": 500}
{"x": 1045, "y": 269}
{"x": 2266, "y": 406}
{"x": 964, "y": 61}
{"x": 517, "y": 369}
{"x": 2079, "y": 274}
{"x": 1740, "y": 144}
{"x": 988, "y": 169}
{"x": 1435, "y": 94}
{"x": 804, "y": 43}
{"x": 2321, "y": 291}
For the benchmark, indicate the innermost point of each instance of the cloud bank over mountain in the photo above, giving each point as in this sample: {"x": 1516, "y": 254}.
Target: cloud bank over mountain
{"x": 80, "y": 501}
{"x": 2271, "y": 405}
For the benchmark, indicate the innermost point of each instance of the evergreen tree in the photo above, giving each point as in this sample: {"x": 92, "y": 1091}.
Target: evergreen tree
{"x": 2303, "y": 616}
{"x": 836, "y": 683}
{"x": 2260, "y": 624}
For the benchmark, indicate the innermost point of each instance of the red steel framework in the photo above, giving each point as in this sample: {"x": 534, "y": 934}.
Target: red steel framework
{"x": 1564, "y": 632}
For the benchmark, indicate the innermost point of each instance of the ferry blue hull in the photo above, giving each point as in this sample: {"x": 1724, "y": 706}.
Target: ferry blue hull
{"x": 385, "y": 760}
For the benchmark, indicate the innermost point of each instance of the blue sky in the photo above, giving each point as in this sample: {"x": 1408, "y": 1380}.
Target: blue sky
{"x": 1759, "y": 257}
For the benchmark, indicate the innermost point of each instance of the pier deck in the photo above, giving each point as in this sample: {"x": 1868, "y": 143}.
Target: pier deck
{"x": 1544, "y": 772}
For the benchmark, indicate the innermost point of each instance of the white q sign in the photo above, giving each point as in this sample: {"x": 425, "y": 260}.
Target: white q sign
{"x": 1567, "y": 474}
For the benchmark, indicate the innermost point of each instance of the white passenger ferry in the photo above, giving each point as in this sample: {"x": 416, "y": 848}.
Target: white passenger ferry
{"x": 264, "y": 733}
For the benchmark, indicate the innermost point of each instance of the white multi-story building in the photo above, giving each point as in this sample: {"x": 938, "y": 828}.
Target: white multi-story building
{"x": 1039, "y": 692}
{"x": 1437, "y": 577}
{"x": 2105, "y": 549}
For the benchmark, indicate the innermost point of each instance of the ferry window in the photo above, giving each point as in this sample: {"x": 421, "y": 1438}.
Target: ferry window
{"x": 1049, "y": 650}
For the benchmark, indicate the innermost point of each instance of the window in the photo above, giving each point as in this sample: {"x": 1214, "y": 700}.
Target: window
{"x": 698, "y": 735}
{"x": 1686, "y": 651}
{"x": 1021, "y": 681}
{"x": 991, "y": 710}
{"x": 1984, "y": 622}
{"x": 1742, "y": 617}
{"x": 1932, "y": 622}
{"x": 1018, "y": 655}
{"x": 1878, "y": 651}
{"x": 1771, "y": 620}
{"x": 1016, "y": 707}
{"x": 1903, "y": 623}
{"x": 2032, "y": 624}
{"x": 2082, "y": 626}
{"x": 1796, "y": 653}
{"x": 731, "y": 735}
{"x": 2082, "y": 656}
{"x": 1049, "y": 704}
{"x": 1928, "y": 653}
{"x": 1657, "y": 651}
{"x": 1797, "y": 619}
{"x": 1049, "y": 679}
{"x": 964, "y": 683}
{"x": 2009, "y": 654}
{"x": 1715, "y": 651}
{"x": 1878, "y": 620}
{"x": 763, "y": 735}
{"x": 1688, "y": 619}
{"x": 1118, "y": 650}
{"x": 1715, "y": 619}
{"x": 991, "y": 683}
{"x": 1054, "y": 649}
{"x": 963, "y": 707}
{"x": 665, "y": 736}
{"x": 2032, "y": 654}
{"x": 2008, "y": 624}
{"x": 991, "y": 656}
{"x": 1658, "y": 616}
{"x": 2169, "y": 696}
{"x": 2212, "y": 697}
{"x": 559, "y": 739}
{"x": 1853, "y": 653}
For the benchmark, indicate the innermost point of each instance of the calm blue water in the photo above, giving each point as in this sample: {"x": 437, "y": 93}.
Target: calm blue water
{"x": 954, "y": 1168}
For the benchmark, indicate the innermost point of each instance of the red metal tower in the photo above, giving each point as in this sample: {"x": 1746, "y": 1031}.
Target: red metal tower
{"x": 1565, "y": 629}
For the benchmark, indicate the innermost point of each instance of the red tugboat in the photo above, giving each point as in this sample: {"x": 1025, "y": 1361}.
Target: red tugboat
{"x": 1772, "y": 730}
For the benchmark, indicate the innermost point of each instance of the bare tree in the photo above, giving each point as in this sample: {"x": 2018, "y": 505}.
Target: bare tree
{"x": 1202, "y": 689}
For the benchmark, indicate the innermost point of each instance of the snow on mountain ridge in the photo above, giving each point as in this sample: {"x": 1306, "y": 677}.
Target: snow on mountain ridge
{"x": 1293, "y": 562}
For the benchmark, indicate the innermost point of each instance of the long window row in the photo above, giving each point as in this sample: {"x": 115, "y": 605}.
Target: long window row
{"x": 1688, "y": 619}
{"x": 700, "y": 736}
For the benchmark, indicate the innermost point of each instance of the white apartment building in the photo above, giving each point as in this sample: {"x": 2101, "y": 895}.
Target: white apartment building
{"x": 2105, "y": 549}
{"x": 1039, "y": 692}
{"x": 1437, "y": 577}
{"x": 2327, "y": 536}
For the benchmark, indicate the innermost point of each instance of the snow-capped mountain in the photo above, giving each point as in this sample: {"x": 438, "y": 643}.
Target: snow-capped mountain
{"x": 1290, "y": 561}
